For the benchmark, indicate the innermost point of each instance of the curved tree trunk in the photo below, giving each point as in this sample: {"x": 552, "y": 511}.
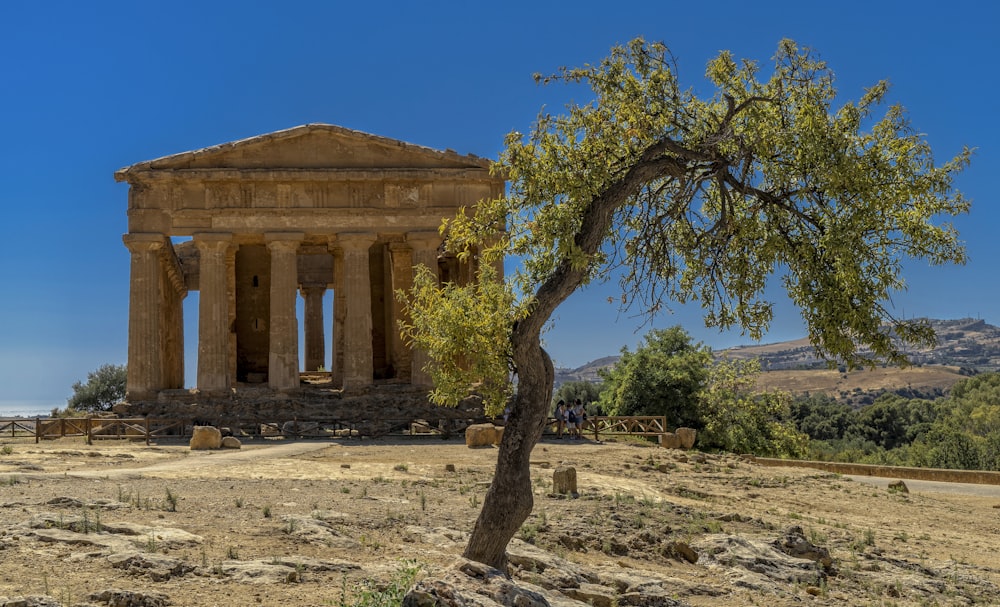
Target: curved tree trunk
{"x": 509, "y": 500}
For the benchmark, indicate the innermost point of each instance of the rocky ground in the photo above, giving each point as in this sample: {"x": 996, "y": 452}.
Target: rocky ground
{"x": 345, "y": 522}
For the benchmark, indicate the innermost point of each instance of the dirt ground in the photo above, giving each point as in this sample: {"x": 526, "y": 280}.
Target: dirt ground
{"x": 319, "y": 522}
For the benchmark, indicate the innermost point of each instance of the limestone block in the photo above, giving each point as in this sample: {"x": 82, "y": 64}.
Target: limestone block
{"x": 687, "y": 437}
{"x": 206, "y": 437}
{"x": 482, "y": 435}
{"x": 669, "y": 440}
{"x": 231, "y": 442}
{"x": 564, "y": 480}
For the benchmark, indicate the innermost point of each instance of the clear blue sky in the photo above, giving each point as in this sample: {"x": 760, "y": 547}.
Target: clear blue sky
{"x": 89, "y": 87}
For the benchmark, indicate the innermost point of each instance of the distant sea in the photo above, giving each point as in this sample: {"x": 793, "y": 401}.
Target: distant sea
{"x": 29, "y": 408}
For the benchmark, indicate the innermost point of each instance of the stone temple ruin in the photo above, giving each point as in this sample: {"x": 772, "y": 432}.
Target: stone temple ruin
{"x": 253, "y": 224}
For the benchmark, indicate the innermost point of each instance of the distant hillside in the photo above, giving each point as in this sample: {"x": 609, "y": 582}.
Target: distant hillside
{"x": 965, "y": 346}
{"x": 966, "y": 343}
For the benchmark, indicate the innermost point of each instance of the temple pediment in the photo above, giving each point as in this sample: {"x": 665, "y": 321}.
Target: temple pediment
{"x": 309, "y": 147}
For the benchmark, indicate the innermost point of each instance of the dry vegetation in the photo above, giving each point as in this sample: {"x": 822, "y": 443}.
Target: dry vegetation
{"x": 315, "y": 523}
{"x": 833, "y": 382}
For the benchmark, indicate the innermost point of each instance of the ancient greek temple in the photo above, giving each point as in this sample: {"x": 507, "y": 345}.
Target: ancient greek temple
{"x": 255, "y": 224}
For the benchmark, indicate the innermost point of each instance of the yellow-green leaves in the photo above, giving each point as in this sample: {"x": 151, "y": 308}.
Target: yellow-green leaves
{"x": 685, "y": 198}
{"x": 465, "y": 331}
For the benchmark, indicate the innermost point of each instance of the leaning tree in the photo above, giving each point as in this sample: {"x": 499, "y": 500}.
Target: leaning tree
{"x": 686, "y": 198}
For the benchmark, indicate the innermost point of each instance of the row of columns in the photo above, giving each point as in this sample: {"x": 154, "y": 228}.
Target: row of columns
{"x": 156, "y": 325}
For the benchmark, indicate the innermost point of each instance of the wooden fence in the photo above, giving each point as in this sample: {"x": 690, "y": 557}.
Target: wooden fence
{"x": 619, "y": 425}
{"x": 148, "y": 428}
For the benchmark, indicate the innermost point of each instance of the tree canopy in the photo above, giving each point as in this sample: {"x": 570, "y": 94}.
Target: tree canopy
{"x": 664, "y": 376}
{"x": 105, "y": 386}
{"x": 702, "y": 198}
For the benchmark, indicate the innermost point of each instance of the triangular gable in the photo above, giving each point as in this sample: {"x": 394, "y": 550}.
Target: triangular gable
{"x": 311, "y": 146}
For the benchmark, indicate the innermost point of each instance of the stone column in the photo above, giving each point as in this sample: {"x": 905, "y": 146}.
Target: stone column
{"x": 425, "y": 253}
{"x": 144, "y": 315}
{"x": 213, "y": 311}
{"x": 283, "y": 354}
{"x": 358, "y": 315}
{"x": 401, "y": 268}
{"x": 315, "y": 340}
{"x": 339, "y": 313}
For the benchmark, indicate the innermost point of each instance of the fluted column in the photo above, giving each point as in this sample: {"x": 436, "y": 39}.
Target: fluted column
{"x": 402, "y": 280}
{"x": 339, "y": 313}
{"x": 315, "y": 340}
{"x": 213, "y": 311}
{"x": 425, "y": 252}
{"x": 144, "y": 316}
{"x": 358, "y": 313}
{"x": 283, "y": 354}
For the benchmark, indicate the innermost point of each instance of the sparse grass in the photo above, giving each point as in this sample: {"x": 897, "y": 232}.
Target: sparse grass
{"x": 368, "y": 594}
{"x": 266, "y": 511}
{"x": 170, "y": 501}
{"x": 6, "y": 450}
{"x": 400, "y": 468}
{"x": 232, "y": 553}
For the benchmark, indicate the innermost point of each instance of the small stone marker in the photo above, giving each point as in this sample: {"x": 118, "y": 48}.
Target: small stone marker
{"x": 899, "y": 486}
{"x": 564, "y": 480}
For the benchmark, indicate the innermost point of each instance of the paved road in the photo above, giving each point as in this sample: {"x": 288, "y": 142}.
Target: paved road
{"x": 916, "y": 486}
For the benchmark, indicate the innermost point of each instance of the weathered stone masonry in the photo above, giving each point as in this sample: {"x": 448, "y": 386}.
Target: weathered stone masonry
{"x": 256, "y": 223}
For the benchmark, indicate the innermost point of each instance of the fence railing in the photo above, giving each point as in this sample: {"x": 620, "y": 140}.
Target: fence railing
{"x": 149, "y": 428}
{"x": 617, "y": 425}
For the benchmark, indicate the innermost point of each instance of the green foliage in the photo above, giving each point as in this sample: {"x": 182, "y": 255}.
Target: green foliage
{"x": 104, "y": 388}
{"x": 961, "y": 431}
{"x": 587, "y": 392}
{"x": 703, "y": 198}
{"x": 465, "y": 330}
{"x": 664, "y": 376}
{"x": 368, "y": 594}
{"x": 740, "y": 419}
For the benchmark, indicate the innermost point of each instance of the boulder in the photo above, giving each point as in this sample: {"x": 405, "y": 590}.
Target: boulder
{"x": 206, "y": 437}
{"x": 231, "y": 442}
{"x": 669, "y": 440}
{"x": 687, "y": 437}
{"x": 564, "y": 480}
{"x": 482, "y": 435}
{"x": 899, "y": 486}
{"x": 467, "y": 584}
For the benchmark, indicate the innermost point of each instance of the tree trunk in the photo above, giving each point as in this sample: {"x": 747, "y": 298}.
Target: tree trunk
{"x": 509, "y": 500}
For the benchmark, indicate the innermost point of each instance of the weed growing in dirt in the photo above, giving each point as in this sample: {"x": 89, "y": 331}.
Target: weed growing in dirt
{"x": 266, "y": 510}
{"x": 6, "y": 450}
{"x": 170, "y": 501}
{"x": 400, "y": 468}
{"x": 369, "y": 594}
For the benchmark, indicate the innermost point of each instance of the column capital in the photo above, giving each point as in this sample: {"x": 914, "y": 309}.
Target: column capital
{"x": 401, "y": 247}
{"x": 283, "y": 240}
{"x": 354, "y": 240}
{"x": 144, "y": 241}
